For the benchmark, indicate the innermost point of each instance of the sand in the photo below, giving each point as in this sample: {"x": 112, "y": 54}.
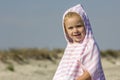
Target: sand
{"x": 45, "y": 69}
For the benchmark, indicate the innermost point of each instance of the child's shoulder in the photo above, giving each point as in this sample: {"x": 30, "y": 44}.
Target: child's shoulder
{"x": 91, "y": 42}
{"x": 92, "y": 45}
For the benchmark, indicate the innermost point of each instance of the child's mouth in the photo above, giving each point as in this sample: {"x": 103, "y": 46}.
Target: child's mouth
{"x": 77, "y": 35}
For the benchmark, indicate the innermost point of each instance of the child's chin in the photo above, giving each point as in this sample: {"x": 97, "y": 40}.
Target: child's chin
{"x": 78, "y": 40}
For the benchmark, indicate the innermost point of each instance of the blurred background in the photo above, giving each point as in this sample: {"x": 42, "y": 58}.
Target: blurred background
{"x": 32, "y": 40}
{"x": 37, "y": 23}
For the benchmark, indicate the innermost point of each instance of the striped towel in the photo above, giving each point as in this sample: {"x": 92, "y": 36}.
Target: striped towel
{"x": 80, "y": 56}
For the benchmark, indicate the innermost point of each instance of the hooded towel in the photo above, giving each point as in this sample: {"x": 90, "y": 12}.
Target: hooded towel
{"x": 79, "y": 56}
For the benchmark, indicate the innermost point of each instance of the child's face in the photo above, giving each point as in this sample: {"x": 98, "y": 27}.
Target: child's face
{"x": 75, "y": 29}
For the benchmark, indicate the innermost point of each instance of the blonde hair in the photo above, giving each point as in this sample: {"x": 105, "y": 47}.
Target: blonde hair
{"x": 72, "y": 14}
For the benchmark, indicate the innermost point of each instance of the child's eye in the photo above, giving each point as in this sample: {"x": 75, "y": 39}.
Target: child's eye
{"x": 70, "y": 27}
{"x": 78, "y": 26}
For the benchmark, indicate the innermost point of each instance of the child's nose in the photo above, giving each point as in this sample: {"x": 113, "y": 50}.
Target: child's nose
{"x": 75, "y": 30}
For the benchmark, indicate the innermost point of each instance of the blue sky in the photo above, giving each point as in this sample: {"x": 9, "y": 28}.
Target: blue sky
{"x": 37, "y": 23}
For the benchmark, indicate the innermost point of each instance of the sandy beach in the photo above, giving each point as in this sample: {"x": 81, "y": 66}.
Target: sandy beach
{"x": 44, "y": 70}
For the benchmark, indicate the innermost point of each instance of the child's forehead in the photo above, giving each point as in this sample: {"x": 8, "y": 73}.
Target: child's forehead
{"x": 74, "y": 18}
{"x": 71, "y": 15}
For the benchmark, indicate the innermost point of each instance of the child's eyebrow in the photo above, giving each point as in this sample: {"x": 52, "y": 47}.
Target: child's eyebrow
{"x": 79, "y": 23}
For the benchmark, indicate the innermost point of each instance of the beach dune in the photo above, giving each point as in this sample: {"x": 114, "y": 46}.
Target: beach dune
{"x": 45, "y": 69}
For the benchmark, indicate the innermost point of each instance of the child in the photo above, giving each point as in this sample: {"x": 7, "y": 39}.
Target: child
{"x": 81, "y": 59}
